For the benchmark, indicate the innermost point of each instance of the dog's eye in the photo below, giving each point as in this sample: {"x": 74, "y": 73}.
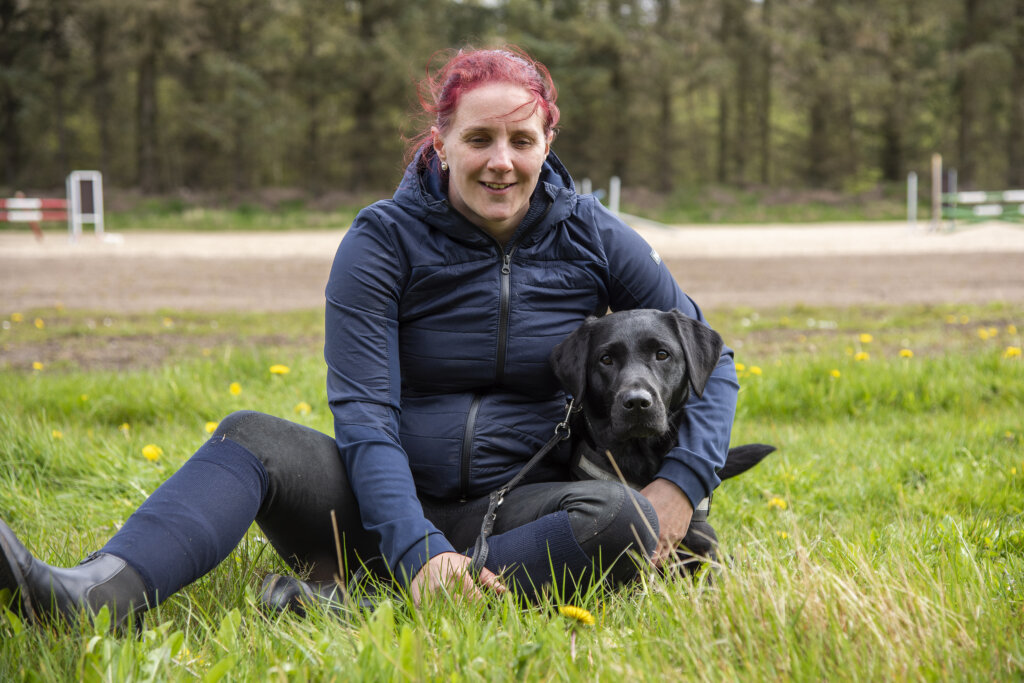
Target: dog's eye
{"x": 605, "y": 359}
{"x": 662, "y": 354}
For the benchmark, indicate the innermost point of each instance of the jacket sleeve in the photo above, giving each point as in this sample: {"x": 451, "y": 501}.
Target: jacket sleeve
{"x": 364, "y": 392}
{"x": 639, "y": 279}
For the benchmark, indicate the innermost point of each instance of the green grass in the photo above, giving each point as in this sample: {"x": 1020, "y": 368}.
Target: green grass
{"x": 723, "y": 204}
{"x": 698, "y": 205}
{"x": 883, "y": 541}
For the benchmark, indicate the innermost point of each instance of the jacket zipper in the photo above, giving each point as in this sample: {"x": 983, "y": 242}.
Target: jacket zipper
{"x": 467, "y": 446}
{"x": 504, "y": 312}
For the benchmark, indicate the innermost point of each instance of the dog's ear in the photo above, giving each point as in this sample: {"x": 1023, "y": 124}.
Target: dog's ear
{"x": 701, "y": 346}
{"x": 569, "y": 359}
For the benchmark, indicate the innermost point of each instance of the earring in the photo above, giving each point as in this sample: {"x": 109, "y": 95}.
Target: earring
{"x": 444, "y": 165}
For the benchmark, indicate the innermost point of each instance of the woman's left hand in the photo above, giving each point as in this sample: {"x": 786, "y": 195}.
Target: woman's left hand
{"x": 452, "y": 572}
{"x": 674, "y": 513}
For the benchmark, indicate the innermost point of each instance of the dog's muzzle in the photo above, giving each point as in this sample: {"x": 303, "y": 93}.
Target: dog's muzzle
{"x": 638, "y": 413}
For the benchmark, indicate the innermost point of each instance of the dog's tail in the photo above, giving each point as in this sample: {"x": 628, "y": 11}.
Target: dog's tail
{"x": 742, "y": 458}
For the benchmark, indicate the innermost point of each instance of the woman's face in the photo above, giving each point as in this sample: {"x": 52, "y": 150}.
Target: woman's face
{"x": 494, "y": 148}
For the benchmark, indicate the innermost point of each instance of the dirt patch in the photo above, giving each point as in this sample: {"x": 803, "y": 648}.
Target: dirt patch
{"x": 124, "y": 352}
{"x": 756, "y": 268}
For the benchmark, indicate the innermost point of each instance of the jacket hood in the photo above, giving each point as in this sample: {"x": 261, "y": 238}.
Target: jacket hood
{"x": 423, "y": 193}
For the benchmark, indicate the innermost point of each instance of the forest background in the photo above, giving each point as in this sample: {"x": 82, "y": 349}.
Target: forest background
{"x": 237, "y": 96}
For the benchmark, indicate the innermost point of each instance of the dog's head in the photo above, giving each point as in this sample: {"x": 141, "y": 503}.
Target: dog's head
{"x": 634, "y": 370}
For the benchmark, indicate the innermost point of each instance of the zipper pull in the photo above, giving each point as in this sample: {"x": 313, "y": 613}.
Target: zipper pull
{"x": 506, "y": 265}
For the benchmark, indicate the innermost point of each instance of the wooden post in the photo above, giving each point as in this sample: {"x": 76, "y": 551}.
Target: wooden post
{"x": 912, "y": 200}
{"x": 936, "y": 192}
{"x": 614, "y": 188}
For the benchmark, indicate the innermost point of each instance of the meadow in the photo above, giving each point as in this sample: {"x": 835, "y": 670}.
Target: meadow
{"x": 884, "y": 540}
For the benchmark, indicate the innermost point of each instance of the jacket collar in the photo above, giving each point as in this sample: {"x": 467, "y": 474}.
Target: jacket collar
{"x": 423, "y": 194}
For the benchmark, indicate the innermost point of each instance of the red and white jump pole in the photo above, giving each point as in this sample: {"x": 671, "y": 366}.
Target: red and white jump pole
{"x": 84, "y": 204}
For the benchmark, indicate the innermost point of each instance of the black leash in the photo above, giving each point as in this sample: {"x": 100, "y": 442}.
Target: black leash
{"x": 481, "y": 548}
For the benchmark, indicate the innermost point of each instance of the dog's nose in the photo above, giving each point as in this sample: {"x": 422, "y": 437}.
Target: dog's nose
{"x": 637, "y": 399}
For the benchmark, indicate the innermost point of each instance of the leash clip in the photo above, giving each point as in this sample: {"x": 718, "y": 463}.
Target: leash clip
{"x": 562, "y": 428}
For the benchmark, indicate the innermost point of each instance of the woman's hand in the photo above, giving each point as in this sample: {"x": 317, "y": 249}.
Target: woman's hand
{"x": 674, "y": 513}
{"x": 452, "y": 572}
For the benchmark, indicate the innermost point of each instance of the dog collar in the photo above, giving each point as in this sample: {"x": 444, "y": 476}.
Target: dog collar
{"x": 584, "y": 467}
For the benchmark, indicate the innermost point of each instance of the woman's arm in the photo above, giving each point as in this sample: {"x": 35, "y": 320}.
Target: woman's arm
{"x": 364, "y": 392}
{"x": 639, "y": 279}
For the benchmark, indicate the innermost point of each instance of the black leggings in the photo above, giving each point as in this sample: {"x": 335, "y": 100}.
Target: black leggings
{"x": 289, "y": 478}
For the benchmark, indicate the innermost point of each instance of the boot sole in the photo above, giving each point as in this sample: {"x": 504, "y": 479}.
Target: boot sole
{"x": 10, "y": 574}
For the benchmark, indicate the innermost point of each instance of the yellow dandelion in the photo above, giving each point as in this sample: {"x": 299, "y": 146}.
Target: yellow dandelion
{"x": 125, "y": 429}
{"x": 740, "y": 367}
{"x": 777, "y": 502}
{"x": 36, "y": 365}
{"x": 83, "y": 398}
{"x": 279, "y": 369}
{"x": 1011, "y": 329}
{"x": 17, "y": 317}
{"x": 168, "y": 322}
{"x": 866, "y": 338}
{"x": 206, "y": 352}
{"x": 862, "y": 356}
{"x": 1012, "y": 352}
{"x": 951, "y": 319}
{"x": 211, "y": 427}
{"x": 39, "y": 323}
{"x": 235, "y": 388}
{"x": 993, "y": 332}
{"x": 1013, "y": 470}
{"x": 964, "y": 320}
{"x": 782, "y": 534}
{"x": 57, "y": 434}
{"x": 755, "y": 370}
{"x": 303, "y": 408}
{"x": 152, "y": 452}
{"x": 577, "y": 614}
{"x": 906, "y": 353}
{"x": 835, "y": 374}
{"x": 983, "y": 333}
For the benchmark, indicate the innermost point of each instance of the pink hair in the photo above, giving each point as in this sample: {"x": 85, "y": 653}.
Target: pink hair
{"x": 440, "y": 93}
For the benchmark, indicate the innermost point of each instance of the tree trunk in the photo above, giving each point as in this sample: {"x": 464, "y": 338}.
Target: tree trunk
{"x": 739, "y": 47}
{"x": 963, "y": 93}
{"x": 725, "y": 28}
{"x": 1015, "y": 144}
{"x": 364, "y": 106}
{"x": 10, "y": 100}
{"x": 98, "y": 35}
{"x": 60, "y": 52}
{"x": 666, "y": 122}
{"x": 765, "y": 110}
{"x": 146, "y": 112}
{"x": 312, "y": 171}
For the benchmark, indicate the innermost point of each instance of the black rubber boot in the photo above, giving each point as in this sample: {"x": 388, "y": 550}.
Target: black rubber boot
{"x": 46, "y": 591}
{"x": 281, "y": 593}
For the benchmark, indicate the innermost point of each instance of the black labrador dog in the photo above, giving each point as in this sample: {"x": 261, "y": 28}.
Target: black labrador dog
{"x": 631, "y": 373}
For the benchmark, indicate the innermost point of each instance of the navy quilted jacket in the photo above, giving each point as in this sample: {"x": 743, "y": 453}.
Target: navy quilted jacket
{"x": 437, "y": 344}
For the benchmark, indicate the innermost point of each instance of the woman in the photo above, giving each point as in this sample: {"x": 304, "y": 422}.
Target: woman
{"x": 443, "y": 305}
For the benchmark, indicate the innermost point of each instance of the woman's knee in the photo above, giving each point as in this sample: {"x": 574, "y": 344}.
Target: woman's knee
{"x": 237, "y": 424}
{"x": 273, "y": 439}
{"x": 612, "y": 517}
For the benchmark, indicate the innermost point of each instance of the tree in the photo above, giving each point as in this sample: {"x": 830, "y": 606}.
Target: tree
{"x": 20, "y": 38}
